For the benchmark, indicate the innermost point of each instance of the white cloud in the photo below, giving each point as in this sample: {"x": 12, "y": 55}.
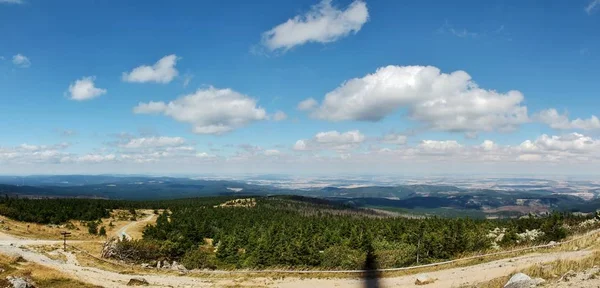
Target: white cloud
{"x": 30, "y": 154}
{"x": 92, "y": 158}
{"x": 279, "y": 116}
{"x": 433, "y": 146}
{"x": 307, "y": 104}
{"x": 163, "y": 71}
{"x": 568, "y": 153}
{"x": 153, "y": 142}
{"x": 393, "y": 138}
{"x": 331, "y": 140}
{"x": 210, "y": 111}
{"x": 150, "y": 107}
{"x": 589, "y": 9}
{"x": 204, "y": 155}
{"x": 569, "y": 148}
{"x": 552, "y": 118}
{"x": 323, "y": 23}
{"x": 21, "y": 61}
{"x": 445, "y": 102}
{"x": 85, "y": 89}
{"x": 12, "y": 1}
{"x": 573, "y": 143}
{"x": 336, "y": 137}
{"x": 488, "y": 145}
{"x": 300, "y": 145}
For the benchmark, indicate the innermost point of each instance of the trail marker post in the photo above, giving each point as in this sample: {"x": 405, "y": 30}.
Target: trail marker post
{"x": 65, "y": 234}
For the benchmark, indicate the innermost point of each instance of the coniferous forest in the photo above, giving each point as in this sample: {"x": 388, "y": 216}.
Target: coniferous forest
{"x": 294, "y": 232}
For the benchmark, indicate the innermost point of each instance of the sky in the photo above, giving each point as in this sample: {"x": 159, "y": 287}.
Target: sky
{"x": 300, "y": 87}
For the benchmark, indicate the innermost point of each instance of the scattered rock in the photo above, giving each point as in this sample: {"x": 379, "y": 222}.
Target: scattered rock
{"x": 166, "y": 265}
{"x": 177, "y": 267}
{"x": 137, "y": 282}
{"x": 158, "y": 264}
{"x": 19, "y": 282}
{"x": 552, "y": 243}
{"x": 424, "y": 279}
{"x": 145, "y": 265}
{"x": 538, "y": 281}
{"x": 521, "y": 280}
{"x": 575, "y": 248}
{"x": 568, "y": 276}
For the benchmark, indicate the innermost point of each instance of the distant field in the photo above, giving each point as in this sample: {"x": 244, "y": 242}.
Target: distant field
{"x": 441, "y": 212}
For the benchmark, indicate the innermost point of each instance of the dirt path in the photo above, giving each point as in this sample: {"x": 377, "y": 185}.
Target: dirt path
{"x": 455, "y": 277}
{"x": 123, "y": 231}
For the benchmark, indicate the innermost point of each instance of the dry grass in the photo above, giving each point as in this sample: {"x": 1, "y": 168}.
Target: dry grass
{"x": 50, "y": 251}
{"x": 92, "y": 247}
{"x": 494, "y": 283}
{"x": 119, "y": 218}
{"x": 39, "y": 231}
{"x": 558, "y": 268}
{"x": 89, "y": 261}
{"x": 549, "y": 271}
{"x": 135, "y": 231}
{"x": 41, "y": 275}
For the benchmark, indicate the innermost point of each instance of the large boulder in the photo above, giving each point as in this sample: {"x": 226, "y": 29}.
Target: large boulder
{"x": 521, "y": 280}
{"x": 138, "y": 281}
{"x": 424, "y": 279}
{"x": 19, "y": 282}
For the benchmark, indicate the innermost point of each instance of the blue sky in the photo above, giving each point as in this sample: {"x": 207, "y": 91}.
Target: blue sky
{"x": 82, "y": 89}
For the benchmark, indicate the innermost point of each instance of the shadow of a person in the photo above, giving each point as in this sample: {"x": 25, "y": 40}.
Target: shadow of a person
{"x": 371, "y": 275}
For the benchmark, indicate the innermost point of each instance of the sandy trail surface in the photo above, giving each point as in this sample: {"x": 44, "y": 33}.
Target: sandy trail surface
{"x": 123, "y": 231}
{"x": 454, "y": 277}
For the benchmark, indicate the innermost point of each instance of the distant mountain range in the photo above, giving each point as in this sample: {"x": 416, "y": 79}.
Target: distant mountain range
{"x": 445, "y": 200}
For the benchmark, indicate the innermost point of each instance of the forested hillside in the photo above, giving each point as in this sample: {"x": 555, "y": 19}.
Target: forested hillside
{"x": 296, "y": 232}
{"x": 284, "y": 232}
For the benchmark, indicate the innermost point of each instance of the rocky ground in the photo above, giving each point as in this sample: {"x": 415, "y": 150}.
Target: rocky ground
{"x": 585, "y": 279}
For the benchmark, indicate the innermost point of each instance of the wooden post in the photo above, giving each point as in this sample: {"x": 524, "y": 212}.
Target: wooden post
{"x": 65, "y": 234}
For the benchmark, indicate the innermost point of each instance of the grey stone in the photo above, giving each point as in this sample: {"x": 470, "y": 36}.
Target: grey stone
{"x": 424, "y": 279}
{"x": 521, "y": 280}
{"x": 138, "y": 281}
{"x": 19, "y": 282}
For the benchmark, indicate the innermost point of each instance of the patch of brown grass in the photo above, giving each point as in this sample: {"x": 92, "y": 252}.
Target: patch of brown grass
{"x": 89, "y": 261}
{"x": 41, "y": 275}
{"x": 119, "y": 218}
{"x": 50, "y": 251}
{"x": 560, "y": 267}
{"x": 549, "y": 271}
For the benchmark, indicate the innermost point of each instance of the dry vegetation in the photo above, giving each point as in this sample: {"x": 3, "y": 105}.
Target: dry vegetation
{"x": 41, "y": 275}
{"x": 78, "y": 229}
{"x": 242, "y": 202}
{"x": 50, "y": 251}
{"x": 552, "y": 271}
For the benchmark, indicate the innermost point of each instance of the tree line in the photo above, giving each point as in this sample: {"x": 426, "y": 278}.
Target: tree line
{"x": 291, "y": 232}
